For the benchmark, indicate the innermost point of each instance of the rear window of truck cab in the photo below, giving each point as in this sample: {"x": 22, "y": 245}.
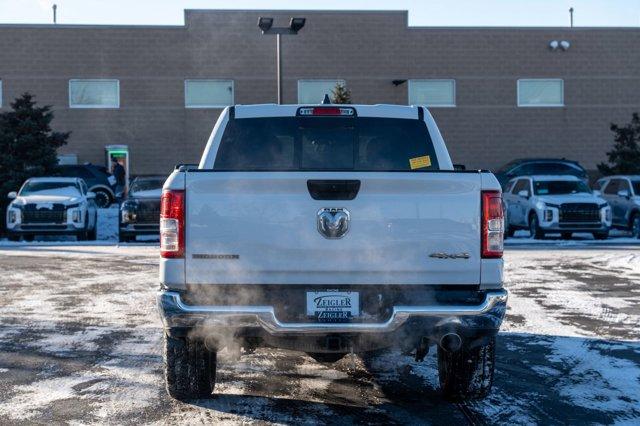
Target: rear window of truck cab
{"x": 326, "y": 144}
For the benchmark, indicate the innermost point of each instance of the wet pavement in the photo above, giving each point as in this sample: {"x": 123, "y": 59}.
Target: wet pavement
{"x": 80, "y": 342}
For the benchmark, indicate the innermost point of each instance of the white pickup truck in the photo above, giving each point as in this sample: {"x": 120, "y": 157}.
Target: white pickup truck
{"x": 330, "y": 229}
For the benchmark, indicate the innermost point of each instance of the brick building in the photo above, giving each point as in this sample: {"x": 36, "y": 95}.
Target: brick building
{"x": 496, "y": 93}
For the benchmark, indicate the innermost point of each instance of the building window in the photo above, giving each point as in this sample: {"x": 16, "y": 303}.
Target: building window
{"x": 541, "y": 93}
{"x": 313, "y": 91}
{"x": 208, "y": 93}
{"x": 94, "y": 93}
{"x": 432, "y": 93}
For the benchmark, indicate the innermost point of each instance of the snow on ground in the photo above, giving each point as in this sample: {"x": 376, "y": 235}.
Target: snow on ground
{"x": 80, "y": 342}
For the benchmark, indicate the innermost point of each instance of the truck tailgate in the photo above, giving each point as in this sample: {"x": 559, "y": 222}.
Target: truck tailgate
{"x": 261, "y": 228}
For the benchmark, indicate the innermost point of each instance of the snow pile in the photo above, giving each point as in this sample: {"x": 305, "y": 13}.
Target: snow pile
{"x": 108, "y": 224}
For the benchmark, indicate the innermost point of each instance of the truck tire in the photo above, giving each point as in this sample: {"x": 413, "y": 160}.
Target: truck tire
{"x": 534, "y": 227}
{"x": 189, "y": 368}
{"x": 467, "y": 373}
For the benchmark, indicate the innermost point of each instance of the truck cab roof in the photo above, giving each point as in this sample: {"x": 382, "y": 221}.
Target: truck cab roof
{"x": 274, "y": 110}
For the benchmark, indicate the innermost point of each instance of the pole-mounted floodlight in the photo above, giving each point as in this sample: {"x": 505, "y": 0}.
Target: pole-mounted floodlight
{"x": 296, "y": 24}
{"x": 266, "y": 26}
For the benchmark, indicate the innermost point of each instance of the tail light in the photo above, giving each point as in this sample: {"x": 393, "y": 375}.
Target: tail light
{"x": 172, "y": 224}
{"x": 327, "y": 111}
{"x": 492, "y": 224}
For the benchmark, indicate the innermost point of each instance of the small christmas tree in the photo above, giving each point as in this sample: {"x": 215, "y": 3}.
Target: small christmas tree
{"x": 27, "y": 145}
{"x": 624, "y": 158}
{"x": 341, "y": 95}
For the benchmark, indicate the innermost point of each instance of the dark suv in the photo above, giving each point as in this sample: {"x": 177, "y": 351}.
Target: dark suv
{"x": 540, "y": 166}
{"x": 97, "y": 178}
{"x": 140, "y": 211}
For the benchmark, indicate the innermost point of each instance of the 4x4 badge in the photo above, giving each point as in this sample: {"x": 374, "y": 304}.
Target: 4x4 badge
{"x": 441, "y": 255}
{"x": 333, "y": 223}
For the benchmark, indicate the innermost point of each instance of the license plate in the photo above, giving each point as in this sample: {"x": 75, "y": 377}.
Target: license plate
{"x": 333, "y": 305}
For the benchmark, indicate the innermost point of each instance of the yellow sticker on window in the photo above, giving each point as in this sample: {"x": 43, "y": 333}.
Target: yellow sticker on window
{"x": 420, "y": 162}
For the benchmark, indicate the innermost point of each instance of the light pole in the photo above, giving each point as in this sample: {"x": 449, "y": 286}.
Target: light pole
{"x": 266, "y": 25}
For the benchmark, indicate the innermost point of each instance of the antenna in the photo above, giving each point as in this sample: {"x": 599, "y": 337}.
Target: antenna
{"x": 571, "y": 16}
{"x": 55, "y": 18}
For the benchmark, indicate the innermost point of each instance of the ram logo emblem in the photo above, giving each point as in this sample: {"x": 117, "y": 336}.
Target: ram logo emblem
{"x": 333, "y": 223}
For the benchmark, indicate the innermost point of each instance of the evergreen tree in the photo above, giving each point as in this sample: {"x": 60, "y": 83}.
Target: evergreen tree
{"x": 624, "y": 158}
{"x": 27, "y": 145}
{"x": 341, "y": 95}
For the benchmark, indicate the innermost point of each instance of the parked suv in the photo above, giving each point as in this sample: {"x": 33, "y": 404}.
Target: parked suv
{"x": 540, "y": 166}
{"x": 555, "y": 204}
{"x": 52, "y": 206}
{"x": 623, "y": 194}
{"x": 330, "y": 229}
{"x": 140, "y": 211}
{"x": 97, "y": 178}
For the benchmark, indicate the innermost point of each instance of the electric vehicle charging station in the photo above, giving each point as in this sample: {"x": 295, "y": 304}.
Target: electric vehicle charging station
{"x": 119, "y": 153}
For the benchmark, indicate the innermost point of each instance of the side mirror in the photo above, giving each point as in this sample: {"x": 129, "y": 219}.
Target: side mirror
{"x": 624, "y": 193}
{"x": 524, "y": 194}
{"x": 91, "y": 195}
{"x": 12, "y": 195}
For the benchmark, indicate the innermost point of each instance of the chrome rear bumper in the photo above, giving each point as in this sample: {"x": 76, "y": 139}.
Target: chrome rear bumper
{"x": 175, "y": 313}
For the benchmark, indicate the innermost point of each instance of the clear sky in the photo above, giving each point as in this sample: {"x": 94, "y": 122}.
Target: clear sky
{"x": 421, "y": 12}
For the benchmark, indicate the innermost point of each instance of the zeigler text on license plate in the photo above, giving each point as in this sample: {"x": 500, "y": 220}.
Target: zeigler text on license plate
{"x": 333, "y": 304}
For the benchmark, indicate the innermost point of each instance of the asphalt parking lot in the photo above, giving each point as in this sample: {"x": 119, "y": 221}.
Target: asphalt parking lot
{"x": 80, "y": 342}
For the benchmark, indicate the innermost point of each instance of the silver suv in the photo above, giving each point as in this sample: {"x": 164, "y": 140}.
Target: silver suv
{"x": 623, "y": 194}
{"x": 554, "y": 204}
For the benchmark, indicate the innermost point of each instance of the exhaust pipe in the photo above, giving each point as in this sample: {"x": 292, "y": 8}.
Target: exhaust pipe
{"x": 451, "y": 342}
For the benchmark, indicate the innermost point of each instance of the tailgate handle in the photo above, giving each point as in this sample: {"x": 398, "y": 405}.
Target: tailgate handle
{"x": 333, "y": 189}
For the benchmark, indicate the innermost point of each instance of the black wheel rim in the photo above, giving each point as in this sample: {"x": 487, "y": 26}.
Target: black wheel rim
{"x": 636, "y": 227}
{"x": 102, "y": 199}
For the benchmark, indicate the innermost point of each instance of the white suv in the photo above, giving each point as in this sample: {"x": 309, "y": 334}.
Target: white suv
{"x": 555, "y": 204}
{"x": 52, "y": 206}
{"x": 623, "y": 194}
